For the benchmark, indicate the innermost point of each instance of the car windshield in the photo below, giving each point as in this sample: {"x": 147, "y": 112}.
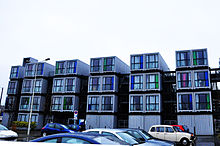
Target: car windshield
{"x": 109, "y": 140}
{"x": 3, "y": 127}
{"x": 64, "y": 126}
{"x": 147, "y": 135}
{"x": 127, "y": 137}
{"x": 185, "y": 127}
{"x": 177, "y": 129}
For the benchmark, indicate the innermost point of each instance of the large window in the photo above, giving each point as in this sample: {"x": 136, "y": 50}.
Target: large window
{"x": 36, "y": 103}
{"x": 14, "y": 72}
{"x": 9, "y": 103}
{"x": 183, "y": 59}
{"x": 95, "y": 65}
{"x": 34, "y": 118}
{"x": 40, "y": 68}
{"x": 203, "y": 101}
{"x": 71, "y": 67}
{"x": 185, "y": 102}
{"x": 93, "y": 103}
{"x": 107, "y": 103}
{"x": 200, "y": 57}
{"x": 136, "y": 62}
{"x": 57, "y": 102}
{"x": 29, "y": 70}
{"x": 27, "y": 86}
{"x": 136, "y": 82}
{"x": 152, "y": 103}
{"x": 184, "y": 80}
{"x": 60, "y": 68}
{"x": 201, "y": 79}
{"x": 108, "y": 83}
{"x": 68, "y": 103}
{"x": 70, "y": 85}
{"x": 12, "y": 87}
{"x": 23, "y": 117}
{"x": 152, "y": 61}
{"x": 136, "y": 103}
{"x": 94, "y": 84}
{"x": 109, "y": 64}
{"x": 58, "y": 85}
{"x": 24, "y": 105}
{"x": 152, "y": 81}
{"x": 38, "y": 85}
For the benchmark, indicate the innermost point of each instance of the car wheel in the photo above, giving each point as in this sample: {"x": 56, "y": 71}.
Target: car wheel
{"x": 44, "y": 134}
{"x": 184, "y": 142}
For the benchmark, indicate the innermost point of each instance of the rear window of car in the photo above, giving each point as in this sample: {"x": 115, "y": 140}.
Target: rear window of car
{"x": 169, "y": 129}
{"x": 152, "y": 129}
{"x": 160, "y": 129}
{"x": 51, "y": 125}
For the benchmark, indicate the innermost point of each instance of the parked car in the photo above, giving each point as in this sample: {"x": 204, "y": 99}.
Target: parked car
{"x": 168, "y": 132}
{"x": 122, "y": 134}
{"x": 53, "y": 128}
{"x": 80, "y": 138}
{"x": 144, "y": 136}
{"x": 6, "y": 134}
{"x": 184, "y": 128}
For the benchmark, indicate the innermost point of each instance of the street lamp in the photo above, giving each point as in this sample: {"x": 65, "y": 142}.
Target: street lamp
{"x": 32, "y": 99}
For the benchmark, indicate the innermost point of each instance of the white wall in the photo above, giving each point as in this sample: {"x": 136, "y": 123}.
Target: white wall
{"x": 101, "y": 121}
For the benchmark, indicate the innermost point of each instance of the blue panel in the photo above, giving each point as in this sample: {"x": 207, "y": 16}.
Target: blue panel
{"x": 132, "y": 82}
{"x": 112, "y": 85}
{"x": 17, "y": 71}
{"x": 206, "y": 79}
{"x": 75, "y": 64}
{"x": 190, "y": 100}
{"x": 42, "y": 68}
{"x": 141, "y": 62}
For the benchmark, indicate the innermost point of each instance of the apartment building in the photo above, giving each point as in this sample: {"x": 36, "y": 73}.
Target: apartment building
{"x": 106, "y": 75}
{"x": 145, "y": 98}
{"x": 69, "y": 91}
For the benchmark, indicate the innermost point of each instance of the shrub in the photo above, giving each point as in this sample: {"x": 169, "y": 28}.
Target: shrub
{"x": 24, "y": 124}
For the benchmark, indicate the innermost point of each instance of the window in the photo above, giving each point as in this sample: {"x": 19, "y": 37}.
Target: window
{"x": 60, "y": 69}
{"x": 71, "y": 67}
{"x": 38, "y": 84}
{"x": 201, "y": 79}
{"x": 12, "y": 87}
{"x": 137, "y": 82}
{"x": 160, "y": 129}
{"x": 184, "y": 80}
{"x": 58, "y": 85}
{"x": 57, "y": 101}
{"x": 93, "y": 103}
{"x": 29, "y": 70}
{"x": 54, "y": 140}
{"x": 40, "y": 68}
{"x": 203, "y": 101}
{"x": 136, "y": 103}
{"x": 36, "y": 103}
{"x": 74, "y": 140}
{"x": 34, "y": 118}
{"x": 136, "y": 62}
{"x": 200, "y": 57}
{"x": 153, "y": 129}
{"x": 94, "y": 84}
{"x": 27, "y": 86}
{"x": 169, "y": 129}
{"x": 70, "y": 85}
{"x": 185, "y": 102}
{"x": 95, "y": 65}
{"x": 109, "y": 134}
{"x": 24, "y": 105}
{"x": 109, "y": 64}
{"x": 14, "y": 72}
{"x": 108, "y": 83}
{"x": 68, "y": 103}
{"x": 23, "y": 117}
{"x": 152, "y": 103}
{"x": 152, "y": 61}
{"x": 152, "y": 81}
{"x": 9, "y": 103}
{"x": 107, "y": 103}
{"x": 183, "y": 59}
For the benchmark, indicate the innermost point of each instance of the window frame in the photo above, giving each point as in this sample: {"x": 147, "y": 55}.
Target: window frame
{"x": 54, "y": 104}
{"x": 26, "y": 86}
{"x": 111, "y": 65}
{"x": 156, "y": 82}
{"x": 14, "y": 89}
{"x": 148, "y": 103}
{"x": 71, "y": 66}
{"x": 187, "y": 60}
{"x": 58, "y": 68}
{"x": 189, "y": 76}
{"x": 210, "y": 101}
{"x": 27, "y": 105}
{"x": 14, "y": 73}
{"x": 104, "y": 83}
{"x": 73, "y": 86}
{"x": 96, "y": 104}
{"x": 61, "y": 85}
{"x": 30, "y": 72}
{"x": 103, "y": 105}
{"x": 132, "y": 104}
{"x": 68, "y": 105}
{"x": 189, "y": 104}
{"x": 139, "y": 83}
{"x": 195, "y": 58}
{"x": 139, "y": 62}
{"x": 92, "y": 66}
{"x": 206, "y": 76}
{"x": 155, "y": 61}
{"x": 98, "y": 85}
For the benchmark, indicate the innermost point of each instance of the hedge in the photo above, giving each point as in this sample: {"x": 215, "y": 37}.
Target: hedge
{"x": 24, "y": 124}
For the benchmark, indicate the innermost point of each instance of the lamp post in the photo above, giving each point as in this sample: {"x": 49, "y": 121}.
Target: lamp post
{"x": 1, "y": 96}
{"x": 32, "y": 99}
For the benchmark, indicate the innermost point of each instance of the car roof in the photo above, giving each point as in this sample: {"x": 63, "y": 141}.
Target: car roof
{"x": 161, "y": 125}
{"x": 106, "y": 130}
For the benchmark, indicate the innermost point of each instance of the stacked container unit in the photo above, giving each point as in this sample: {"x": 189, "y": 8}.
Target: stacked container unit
{"x": 103, "y": 88}
{"x": 35, "y": 84}
{"x": 13, "y": 92}
{"x": 145, "y": 100}
{"x": 69, "y": 91}
{"x": 194, "y": 101}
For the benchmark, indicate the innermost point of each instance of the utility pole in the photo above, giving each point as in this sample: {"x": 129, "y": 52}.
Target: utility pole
{"x": 1, "y": 96}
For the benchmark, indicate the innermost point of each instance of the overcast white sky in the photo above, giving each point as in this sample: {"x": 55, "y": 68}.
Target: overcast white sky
{"x": 81, "y": 29}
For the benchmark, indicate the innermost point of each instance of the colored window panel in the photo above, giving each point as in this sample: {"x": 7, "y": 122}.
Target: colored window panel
{"x": 68, "y": 103}
{"x": 152, "y": 81}
{"x": 137, "y": 82}
{"x": 200, "y": 57}
{"x": 203, "y": 101}
{"x": 184, "y": 80}
{"x": 107, "y": 103}
{"x": 136, "y": 103}
{"x": 201, "y": 79}
{"x": 183, "y": 59}
{"x": 109, "y": 64}
{"x": 137, "y": 62}
{"x": 185, "y": 102}
{"x": 108, "y": 83}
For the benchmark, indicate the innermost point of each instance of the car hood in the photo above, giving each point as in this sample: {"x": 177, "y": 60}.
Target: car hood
{"x": 162, "y": 142}
{"x": 7, "y": 133}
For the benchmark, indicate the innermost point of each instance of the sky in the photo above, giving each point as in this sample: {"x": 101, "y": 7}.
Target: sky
{"x": 83, "y": 29}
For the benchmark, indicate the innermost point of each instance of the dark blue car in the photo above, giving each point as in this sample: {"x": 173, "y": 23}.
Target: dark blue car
{"x": 80, "y": 138}
{"x": 53, "y": 128}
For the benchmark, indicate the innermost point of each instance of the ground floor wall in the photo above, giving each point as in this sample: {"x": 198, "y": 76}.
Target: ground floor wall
{"x": 143, "y": 121}
{"x": 201, "y": 124}
{"x": 101, "y": 121}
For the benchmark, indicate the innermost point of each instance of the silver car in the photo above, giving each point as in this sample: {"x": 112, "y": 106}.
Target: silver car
{"x": 6, "y": 134}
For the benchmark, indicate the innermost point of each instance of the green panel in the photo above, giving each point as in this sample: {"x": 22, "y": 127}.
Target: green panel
{"x": 157, "y": 85}
{"x": 208, "y": 102}
{"x": 104, "y": 64}
{"x": 156, "y": 78}
{"x": 57, "y": 68}
{"x": 64, "y": 105}
{"x": 194, "y": 58}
